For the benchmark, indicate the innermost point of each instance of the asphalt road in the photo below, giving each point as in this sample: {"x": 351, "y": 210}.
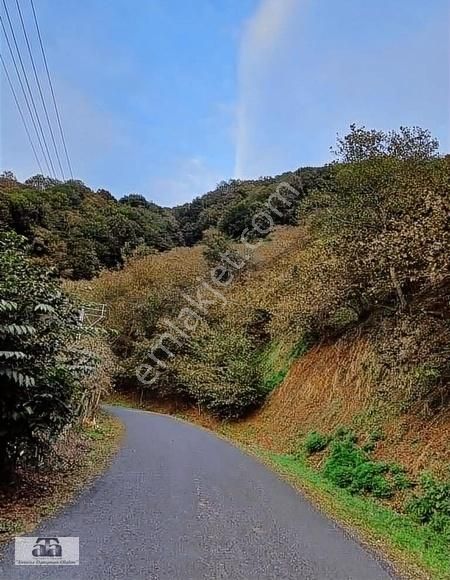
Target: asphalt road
{"x": 180, "y": 503}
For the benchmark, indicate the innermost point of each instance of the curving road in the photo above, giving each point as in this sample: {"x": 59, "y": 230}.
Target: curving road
{"x": 180, "y": 503}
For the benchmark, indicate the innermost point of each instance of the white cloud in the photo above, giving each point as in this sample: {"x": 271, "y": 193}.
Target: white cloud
{"x": 192, "y": 177}
{"x": 261, "y": 39}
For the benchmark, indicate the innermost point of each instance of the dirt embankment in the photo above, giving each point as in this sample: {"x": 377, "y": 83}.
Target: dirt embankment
{"x": 335, "y": 385}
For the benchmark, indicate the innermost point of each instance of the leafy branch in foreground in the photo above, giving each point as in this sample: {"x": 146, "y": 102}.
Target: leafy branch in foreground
{"x": 39, "y": 381}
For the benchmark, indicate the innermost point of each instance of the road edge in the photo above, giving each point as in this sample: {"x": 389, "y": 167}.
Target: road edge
{"x": 105, "y": 441}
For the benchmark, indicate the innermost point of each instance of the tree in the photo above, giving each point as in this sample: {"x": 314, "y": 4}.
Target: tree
{"x": 220, "y": 255}
{"x": 41, "y": 182}
{"x": 135, "y": 200}
{"x": 362, "y": 144}
{"x": 216, "y": 246}
{"x": 40, "y": 370}
{"x": 238, "y": 217}
{"x": 8, "y": 175}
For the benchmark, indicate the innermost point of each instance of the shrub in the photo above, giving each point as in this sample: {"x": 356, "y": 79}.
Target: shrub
{"x": 350, "y": 467}
{"x": 39, "y": 371}
{"x": 345, "y": 434}
{"x": 432, "y": 505}
{"x": 315, "y": 442}
{"x": 399, "y": 477}
{"x": 221, "y": 373}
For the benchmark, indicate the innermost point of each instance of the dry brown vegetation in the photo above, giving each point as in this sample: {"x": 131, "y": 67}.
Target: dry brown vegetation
{"x": 77, "y": 458}
{"x": 363, "y": 282}
{"x": 336, "y": 384}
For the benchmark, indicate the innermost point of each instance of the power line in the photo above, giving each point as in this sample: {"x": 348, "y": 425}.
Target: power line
{"x": 44, "y": 106}
{"x": 21, "y": 113}
{"x": 29, "y": 89}
{"x": 24, "y": 94}
{"x": 51, "y": 88}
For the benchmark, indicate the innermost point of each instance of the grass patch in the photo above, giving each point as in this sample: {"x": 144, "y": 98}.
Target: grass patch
{"x": 276, "y": 360}
{"x": 272, "y": 380}
{"x": 39, "y": 493}
{"x": 273, "y": 362}
{"x": 418, "y": 547}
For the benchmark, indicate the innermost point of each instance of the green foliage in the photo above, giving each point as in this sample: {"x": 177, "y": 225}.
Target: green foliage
{"x": 39, "y": 371}
{"x": 220, "y": 373}
{"x": 238, "y": 217}
{"x": 275, "y": 357}
{"x": 80, "y": 231}
{"x": 418, "y": 543}
{"x": 315, "y": 442}
{"x": 345, "y": 434}
{"x": 350, "y": 467}
{"x": 302, "y": 346}
{"x": 233, "y": 204}
{"x": 400, "y": 477}
{"x": 272, "y": 380}
{"x": 408, "y": 143}
{"x": 432, "y": 505}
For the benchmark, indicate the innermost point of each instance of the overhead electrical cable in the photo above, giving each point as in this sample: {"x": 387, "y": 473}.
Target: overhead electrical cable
{"x": 51, "y": 89}
{"x": 44, "y": 106}
{"x": 20, "y": 112}
{"x": 29, "y": 90}
{"x": 13, "y": 58}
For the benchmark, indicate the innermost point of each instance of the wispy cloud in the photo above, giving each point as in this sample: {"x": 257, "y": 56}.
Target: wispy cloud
{"x": 262, "y": 36}
{"x": 306, "y": 72}
{"x": 192, "y": 177}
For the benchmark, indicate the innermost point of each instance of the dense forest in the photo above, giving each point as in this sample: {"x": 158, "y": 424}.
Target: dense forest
{"x": 80, "y": 231}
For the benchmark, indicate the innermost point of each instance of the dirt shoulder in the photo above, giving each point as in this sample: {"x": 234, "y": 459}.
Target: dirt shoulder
{"x": 37, "y": 494}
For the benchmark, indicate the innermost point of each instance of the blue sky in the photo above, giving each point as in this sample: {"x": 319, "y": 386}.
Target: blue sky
{"x": 168, "y": 97}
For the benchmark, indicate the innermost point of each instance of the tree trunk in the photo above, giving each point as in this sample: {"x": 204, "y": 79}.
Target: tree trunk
{"x": 397, "y": 287}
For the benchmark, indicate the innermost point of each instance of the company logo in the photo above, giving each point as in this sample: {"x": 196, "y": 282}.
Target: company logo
{"x": 47, "y": 551}
{"x": 47, "y": 547}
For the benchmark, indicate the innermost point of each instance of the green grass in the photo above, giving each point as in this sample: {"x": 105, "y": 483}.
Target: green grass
{"x": 406, "y": 540}
{"x": 273, "y": 366}
{"x": 275, "y": 362}
{"x": 414, "y": 548}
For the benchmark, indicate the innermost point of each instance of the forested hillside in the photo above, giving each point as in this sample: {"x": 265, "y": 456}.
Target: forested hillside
{"x": 365, "y": 245}
{"x": 232, "y": 205}
{"x": 370, "y": 254}
{"x": 314, "y": 307}
{"x": 81, "y": 231}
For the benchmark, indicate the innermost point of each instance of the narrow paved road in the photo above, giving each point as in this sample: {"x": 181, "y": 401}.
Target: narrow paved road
{"x": 180, "y": 503}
